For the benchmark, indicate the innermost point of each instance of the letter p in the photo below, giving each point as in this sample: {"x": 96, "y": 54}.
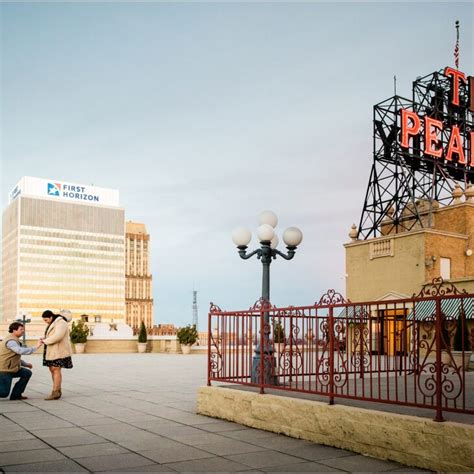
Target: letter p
{"x": 410, "y": 126}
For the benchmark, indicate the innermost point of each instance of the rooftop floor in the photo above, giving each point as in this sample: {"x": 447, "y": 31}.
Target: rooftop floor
{"x": 137, "y": 412}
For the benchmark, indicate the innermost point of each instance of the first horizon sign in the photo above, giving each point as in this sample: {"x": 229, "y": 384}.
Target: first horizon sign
{"x": 61, "y": 190}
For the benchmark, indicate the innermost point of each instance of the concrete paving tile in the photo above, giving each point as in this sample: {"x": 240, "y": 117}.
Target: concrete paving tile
{"x": 38, "y": 424}
{"x": 115, "y": 432}
{"x": 183, "y": 405}
{"x": 151, "y": 468}
{"x": 57, "y": 432}
{"x": 176, "y": 431}
{"x": 264, "y": 459}
{"x": 75, "y": 440}
{"x": 249, "y": 434}
{"x": 14, "y": 445}
{"x": 96, "y": 421}
{"x": 317, "y": 452}
{"x": 175, "y": 453}
{"x": 7, "y": 435}
{"x": 9, "y": 425}
{"x": 282, "y": 443}
{"x": 361, "y": 463}
{"x": 194, "y": 420}
{"x": 130, "y": 417}
{"x": 147, "y": 441}
{"x": 201, "y": 438}
{"x": 229, "y": 446}
{"x": 87, "y": 420}
{"x": 155, "y": 425}
{"x": 216, "y": 464}
{"x": 9, "y": 406}
{"x": 87, "y": 451}
{"x": 29, "y": 456}
{"x": 66, "y": 465}
{"x": 116, "y": 461}
{"x": 409, "y": 470}
{"x": 302, "y": 467}
{"x": 221, "y": 427}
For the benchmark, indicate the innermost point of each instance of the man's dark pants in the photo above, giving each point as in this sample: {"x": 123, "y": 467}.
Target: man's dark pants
{"x": 6, "y": 379}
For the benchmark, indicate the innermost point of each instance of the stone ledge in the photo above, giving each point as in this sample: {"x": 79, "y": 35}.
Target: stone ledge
{"x": 410, "y": 440}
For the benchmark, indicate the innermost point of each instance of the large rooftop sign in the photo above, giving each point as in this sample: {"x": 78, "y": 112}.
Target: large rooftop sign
{"x": 422, "y": 147}
{"x": 61, "y": 190}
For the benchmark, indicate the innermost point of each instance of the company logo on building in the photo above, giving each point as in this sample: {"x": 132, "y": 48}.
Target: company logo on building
{"x": 16, "y": 192}
{"x": 54, "y": 189}
{"x": 60, "y": 190}
{"x": 71, "y": 191}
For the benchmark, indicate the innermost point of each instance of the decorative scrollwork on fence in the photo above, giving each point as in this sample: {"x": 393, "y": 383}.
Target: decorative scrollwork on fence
{"x": 340, "y": 354}
{"x": 360, "y": 357}
{"x": 451, "y": 382}
{"x": 214, "y": 308}
{"x": 331, "y": 297}
{"x": 215, "y": 360}
{"x": 261, "y": 304}
{"x": 438, "y": 287}
{"x": 291, "y": 358}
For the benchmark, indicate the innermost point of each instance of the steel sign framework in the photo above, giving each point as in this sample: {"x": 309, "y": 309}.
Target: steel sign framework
{"x": 409, "y": 181}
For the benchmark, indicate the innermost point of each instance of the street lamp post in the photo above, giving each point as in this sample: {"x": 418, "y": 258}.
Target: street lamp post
{"x": 24, "y": 320}
{"x": 266, "y": 253}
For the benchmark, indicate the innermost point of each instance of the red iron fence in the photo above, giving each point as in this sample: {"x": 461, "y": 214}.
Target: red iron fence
{"x": 412, "y": 352}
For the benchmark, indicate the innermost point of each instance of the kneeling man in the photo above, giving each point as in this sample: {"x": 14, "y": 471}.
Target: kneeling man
{"x": 11, "y": 365}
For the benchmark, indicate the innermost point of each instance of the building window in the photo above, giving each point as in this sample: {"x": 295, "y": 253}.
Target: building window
{"x": 97, "y": 318}
{"x": 85, "y": 318}
{"x": 445, "y": 268}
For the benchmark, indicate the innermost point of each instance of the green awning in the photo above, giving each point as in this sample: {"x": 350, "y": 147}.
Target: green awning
{"x": 451, "y": 308}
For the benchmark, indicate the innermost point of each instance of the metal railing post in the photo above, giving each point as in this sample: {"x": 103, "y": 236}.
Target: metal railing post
{"x": 439, "y": 382}
{"x": 209, "y": 349}
{"x": 331, "y": 356}
{"x": 262, "y": 350}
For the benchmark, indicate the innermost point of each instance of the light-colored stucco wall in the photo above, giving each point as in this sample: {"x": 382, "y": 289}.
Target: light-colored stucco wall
{"x": 369, "y": 279}
{"x": 415, "y": 257}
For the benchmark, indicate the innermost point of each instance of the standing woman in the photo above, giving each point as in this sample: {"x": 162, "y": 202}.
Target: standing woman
{"x": 57, "y": 349}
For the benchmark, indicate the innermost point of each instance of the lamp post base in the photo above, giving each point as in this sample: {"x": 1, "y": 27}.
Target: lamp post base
{"x": 269, "y": 369}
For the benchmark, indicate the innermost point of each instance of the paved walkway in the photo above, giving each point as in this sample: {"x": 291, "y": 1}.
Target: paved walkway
{"x": 136, "y": 412}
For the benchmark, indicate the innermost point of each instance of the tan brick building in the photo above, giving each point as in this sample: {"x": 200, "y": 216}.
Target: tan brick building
{"x": 138, "y": 278}
{"x": 401, "y": 263}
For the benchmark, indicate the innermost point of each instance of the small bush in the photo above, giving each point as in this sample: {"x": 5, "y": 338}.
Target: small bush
{"x": 79, "y": 332}
{"x": 187, "y": 335}
{"x": 142, "y": 336}
{"x": 278, "y": 333}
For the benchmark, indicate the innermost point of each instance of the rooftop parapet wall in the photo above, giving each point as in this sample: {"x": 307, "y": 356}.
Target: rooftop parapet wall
{"x": 410, "y": 440}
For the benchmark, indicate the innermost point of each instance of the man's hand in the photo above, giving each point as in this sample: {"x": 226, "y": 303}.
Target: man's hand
{"x": 27, "y": 364}
{"x": 39, "y": 344}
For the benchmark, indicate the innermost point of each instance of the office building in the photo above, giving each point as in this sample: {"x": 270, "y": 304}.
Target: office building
{"x": 138, "y": 279}
{"x": 63, "y": 248}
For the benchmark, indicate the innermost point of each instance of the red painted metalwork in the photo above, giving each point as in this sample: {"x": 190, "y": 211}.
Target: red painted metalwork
{"x": 396, "y": 351}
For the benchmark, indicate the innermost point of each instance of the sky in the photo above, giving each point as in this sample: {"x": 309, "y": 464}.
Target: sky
{"x": 205, "y": 114}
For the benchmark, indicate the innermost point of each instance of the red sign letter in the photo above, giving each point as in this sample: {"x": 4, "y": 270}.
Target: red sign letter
{"x": 456, "y": 75}
{"x": 455, "y": 146}
{"x": 471, "y": 142}
{"x": 406, "y": 129}
{"x": 471, "y": 93}
{"x": 431, "y": 137}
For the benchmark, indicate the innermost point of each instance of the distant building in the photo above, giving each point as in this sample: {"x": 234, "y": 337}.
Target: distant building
{"x": 138, "y": 279}
{"x": 63, "y": 248}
